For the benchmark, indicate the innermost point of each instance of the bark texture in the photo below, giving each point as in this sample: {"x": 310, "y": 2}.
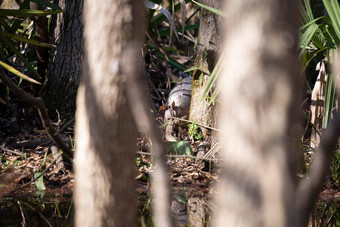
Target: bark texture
{"x": 64, "y": 68}
{"x": 259, "y": 114}
{"x": 105, "y": 129}
{"x": 207, "y": 52}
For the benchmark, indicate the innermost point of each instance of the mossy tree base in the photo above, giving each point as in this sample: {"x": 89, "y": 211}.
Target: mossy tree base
{"x": 206, "y": 57}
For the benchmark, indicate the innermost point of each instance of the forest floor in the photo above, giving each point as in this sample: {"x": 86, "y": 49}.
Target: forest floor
{"x": 26, "y": 152}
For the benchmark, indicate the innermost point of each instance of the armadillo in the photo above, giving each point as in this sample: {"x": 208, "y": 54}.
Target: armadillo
{"x": 178, "y": 106}
{"x": 180, "y": 98}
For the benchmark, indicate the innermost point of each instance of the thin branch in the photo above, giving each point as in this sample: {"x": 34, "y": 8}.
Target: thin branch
{"x": 204, "y": 126}
{"x": 183, "y": 156}
{"x": 41, "y": 215}
{"x": 38, "y": 103}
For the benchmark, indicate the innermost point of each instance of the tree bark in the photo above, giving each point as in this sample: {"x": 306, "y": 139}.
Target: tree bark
{"x": 207, "y": 52}
{"x": 64, "y": 68}
{"x": 105, "y": 193}
{"x": 259, "y": 114}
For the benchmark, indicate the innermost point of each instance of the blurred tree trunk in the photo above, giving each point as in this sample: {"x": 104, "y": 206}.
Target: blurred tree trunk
{"x": 259, "y": 114}
{"x": 64, "y": 67}
{"x": 105, "y": 192}
{"x": 207, "y": 52}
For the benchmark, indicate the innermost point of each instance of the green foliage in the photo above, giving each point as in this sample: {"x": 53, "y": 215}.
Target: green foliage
{"x": 22, "y": 13}
{"x": 44, "y": 161}
{"x": 211, "y": 9}
{"x": 327, "y": 213}
{"x": 23, "y": 154}
{"x": 4, "y": 164}
{"x": 18, "y": 73}
{"x": 212, "y": 81}
{"x": 162, "y": 25}
{"x": 217, "y": 70}
{"x": 39, "y": 183}
{"x": 193, "y": 131}
{"x": 138, "y": 160}
{"x": 319, "y": 39}
{"x": 335, "y": 170}
{"x": 179, "y": 148}
{"x": 16, "y": 32}
{"x": 71, "y": 142}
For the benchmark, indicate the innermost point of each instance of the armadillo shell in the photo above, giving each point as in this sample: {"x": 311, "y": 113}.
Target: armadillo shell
{"x": 181, "y": 96}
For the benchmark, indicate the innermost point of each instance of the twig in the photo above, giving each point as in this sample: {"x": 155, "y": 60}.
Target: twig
{"x": 204, "y": 126}
{"x": 65, "y": 125}
{"x": 187, "y": 37}
{"x": 48, "y": 223}
{"x": 10, "y": 151}
{"x": 22, "y": 214}
{"x": 38, "y": 103}
{"x": 183, "y": 156}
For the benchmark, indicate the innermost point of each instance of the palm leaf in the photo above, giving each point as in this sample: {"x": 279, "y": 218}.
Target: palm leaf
{"x": 22, "y": 58}
{"x": 18, "y": 73}
{"x": 26, "y": 40}
{"x": 27, "y": 12}
{"x": 211, "y": 9}
{"x": 333, "y": 10}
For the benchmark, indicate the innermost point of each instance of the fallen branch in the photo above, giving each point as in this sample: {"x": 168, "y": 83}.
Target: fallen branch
{"x": 38, "y": 103}
{"x": 183, "y": 156}
{"x": 13, "y": 152}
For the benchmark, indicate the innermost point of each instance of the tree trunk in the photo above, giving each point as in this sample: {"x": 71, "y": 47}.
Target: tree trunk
{"x": 64, "y": 68}
{"x": 259, "y": 114}
{"x": 207, "y": 52}
{"x": 105, "y": 192}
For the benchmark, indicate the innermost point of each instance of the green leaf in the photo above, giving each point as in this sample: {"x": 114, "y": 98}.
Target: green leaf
{"x": 179, "y": 148}
{"x": 27, "y": 12}
{"x": 212, "y": 80}
{"x": 333, "y": 10}
{"x": 44, "y": 161}
{"x": 39, "y": 183}
{"x": 211, "y": 9}
{"x": 329, "y": 101}
{"x": 16, "y": 72}
{"x": 307, "y": 37}
{"x": 26, "y": 40}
